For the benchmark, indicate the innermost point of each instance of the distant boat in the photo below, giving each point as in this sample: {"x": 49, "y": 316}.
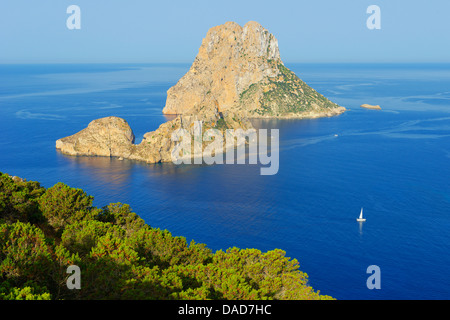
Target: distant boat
{"x": 361, "y": 219}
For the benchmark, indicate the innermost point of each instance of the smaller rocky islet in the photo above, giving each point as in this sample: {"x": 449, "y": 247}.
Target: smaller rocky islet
{"x": 369, "y": 106}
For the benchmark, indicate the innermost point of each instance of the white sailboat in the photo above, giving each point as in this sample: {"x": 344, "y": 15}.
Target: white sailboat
{"x": 361, "y": 219}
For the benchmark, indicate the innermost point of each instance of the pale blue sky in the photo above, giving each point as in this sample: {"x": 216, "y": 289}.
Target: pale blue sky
{"x": 172, "y": 31}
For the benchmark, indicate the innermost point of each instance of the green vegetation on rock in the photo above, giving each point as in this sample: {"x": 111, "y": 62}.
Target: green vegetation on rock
{"x": 284, "y": 95}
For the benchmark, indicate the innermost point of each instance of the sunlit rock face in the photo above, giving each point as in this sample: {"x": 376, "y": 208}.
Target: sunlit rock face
{"x": 239, "y": 69}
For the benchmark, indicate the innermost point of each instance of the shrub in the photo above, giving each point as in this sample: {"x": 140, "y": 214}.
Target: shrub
{"x": 62, "y": 205}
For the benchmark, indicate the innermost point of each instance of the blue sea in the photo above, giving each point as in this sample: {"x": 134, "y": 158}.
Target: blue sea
{"x": 394, "y": 163}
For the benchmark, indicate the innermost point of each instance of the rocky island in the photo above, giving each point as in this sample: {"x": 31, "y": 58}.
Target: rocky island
{"x": 239, "y": 69}
{"x": 237, "y": 75}
{"x": 369, "y": 106}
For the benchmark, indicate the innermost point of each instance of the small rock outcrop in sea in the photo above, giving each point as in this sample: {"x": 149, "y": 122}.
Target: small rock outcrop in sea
{"x": 239, "y": 69}
{"x": 369, "y": 106}
{"x": 238, "y": 74}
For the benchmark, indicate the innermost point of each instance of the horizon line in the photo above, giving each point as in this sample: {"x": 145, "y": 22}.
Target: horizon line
{"x": 190, "y": 62}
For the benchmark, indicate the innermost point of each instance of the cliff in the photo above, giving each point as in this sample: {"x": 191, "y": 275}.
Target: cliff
{"x": 239, "y": 69}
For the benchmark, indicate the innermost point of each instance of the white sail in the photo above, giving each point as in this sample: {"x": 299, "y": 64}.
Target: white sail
{"x": 361, "y": 216}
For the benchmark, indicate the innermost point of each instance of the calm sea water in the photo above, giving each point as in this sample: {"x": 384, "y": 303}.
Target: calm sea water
{"x": 394, "y": 163}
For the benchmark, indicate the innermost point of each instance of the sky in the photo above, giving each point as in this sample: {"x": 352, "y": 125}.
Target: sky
{"x": 146, "y": 31}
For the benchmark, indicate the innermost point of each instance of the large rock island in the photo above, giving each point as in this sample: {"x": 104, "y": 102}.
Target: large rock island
{"x": 239, "y": 69}
{"x": 237, "y": 75}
